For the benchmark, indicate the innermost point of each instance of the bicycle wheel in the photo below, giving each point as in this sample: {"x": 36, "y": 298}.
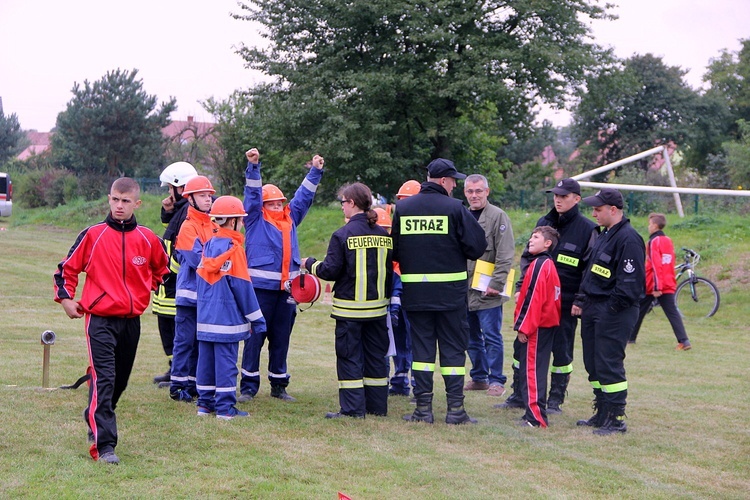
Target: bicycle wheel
{"x": 699, "y": 299}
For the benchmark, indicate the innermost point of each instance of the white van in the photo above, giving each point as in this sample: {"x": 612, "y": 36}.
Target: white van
{"x": 6, "y": 193}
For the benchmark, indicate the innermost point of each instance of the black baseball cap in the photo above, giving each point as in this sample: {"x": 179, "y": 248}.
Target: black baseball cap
{"x": 443, "y": 168}
{"x": 566, "y": 186}
{"x": 605, "y": 196}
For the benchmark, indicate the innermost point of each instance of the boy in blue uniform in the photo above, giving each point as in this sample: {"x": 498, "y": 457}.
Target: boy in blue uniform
{"x": 227, "y": 309}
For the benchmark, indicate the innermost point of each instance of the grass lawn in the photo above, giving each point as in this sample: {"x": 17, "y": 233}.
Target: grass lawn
{"x": 688, "y": 412}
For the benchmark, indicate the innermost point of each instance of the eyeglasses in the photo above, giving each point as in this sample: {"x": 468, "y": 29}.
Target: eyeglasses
{"x": 475, "y": 191}
{"x": 344, "y": 201}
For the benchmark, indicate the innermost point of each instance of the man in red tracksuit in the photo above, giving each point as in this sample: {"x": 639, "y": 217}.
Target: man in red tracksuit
{"x": 660, "y": 281}
{"x": 124, "y": 263}
{"x": 537, "y": 317}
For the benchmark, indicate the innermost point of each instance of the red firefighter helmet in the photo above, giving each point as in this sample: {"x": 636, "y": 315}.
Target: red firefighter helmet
{"x": 384, "y": 220}
{"x": 198, "y": 184}
{"x": 305, "y": 288}
{"x": 272, "y": 193}
{"x": 408, "y": 188}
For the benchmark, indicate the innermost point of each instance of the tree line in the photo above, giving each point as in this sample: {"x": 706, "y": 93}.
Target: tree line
{"x": 382, "y": 87}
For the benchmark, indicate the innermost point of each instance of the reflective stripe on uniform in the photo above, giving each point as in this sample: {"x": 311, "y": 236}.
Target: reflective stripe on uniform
{"x": 562, "y": 369}
{"x": 618, "y": 387}
{"x": 254, "y": 183}
{"x": 375, "y": 382}
{"x": 225, "y": 329}
{"x": 359, "y": 309}
{"x": 453, "y": 370}
{"x": 269, "y": 275}
{"x": 433, "y": 277}
{"x": 351, "y": 384}
{"x": 422, "y": 367}
{"x": 595, "y": 384}
{"x": 163, "y": 305}
{"x": 187, "y": 294}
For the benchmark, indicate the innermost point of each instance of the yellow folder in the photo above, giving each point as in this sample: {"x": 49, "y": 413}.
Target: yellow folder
{"x": 483, "y": 274}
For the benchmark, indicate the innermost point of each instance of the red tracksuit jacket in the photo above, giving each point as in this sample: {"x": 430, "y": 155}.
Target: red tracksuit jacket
{"x": 123, "y": 263}
{"x": 660, "y": 264}
{"x": 538, "y": 305}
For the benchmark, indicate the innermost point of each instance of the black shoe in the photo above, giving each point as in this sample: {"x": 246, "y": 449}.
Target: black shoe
{"x": 245, "y": 397}
{"x": 513, "y": 401}
{"x": 337, "y": 414}
{"x": 162, "y": 378}
{"x": 525, "y": 423}
{"x": 280, "y": 393}
{"x": 164, "y": 385}
{"x": 553, "y": 408}
{"x": 109, "y": 458}
{"x": 181, "y": 395}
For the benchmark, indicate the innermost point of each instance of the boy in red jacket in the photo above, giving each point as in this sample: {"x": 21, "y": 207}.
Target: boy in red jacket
{"x": 536, "y": 319}
{"x": 660, "y": 281}
{"x": 124, "y": 263}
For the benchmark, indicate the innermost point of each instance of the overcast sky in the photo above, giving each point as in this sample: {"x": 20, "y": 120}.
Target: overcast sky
{"x": 185, "y": 48}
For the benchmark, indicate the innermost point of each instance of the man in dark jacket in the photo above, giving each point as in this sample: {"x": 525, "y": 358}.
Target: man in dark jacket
{"x": 611, "y": 290}
{"x": 577, "y": 237}
{"x": 433, "y": 237}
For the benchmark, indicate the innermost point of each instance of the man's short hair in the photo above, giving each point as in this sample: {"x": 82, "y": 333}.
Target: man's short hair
{"x": 548, "y": 233}
{"x": 126, "y": 185}
{"x": 477, "y": 178}
{"x": 659, "y": 219}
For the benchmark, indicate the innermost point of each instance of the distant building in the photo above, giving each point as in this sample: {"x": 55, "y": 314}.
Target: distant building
{"x": 181, "y": 133}
{"x": 38, "y": 144}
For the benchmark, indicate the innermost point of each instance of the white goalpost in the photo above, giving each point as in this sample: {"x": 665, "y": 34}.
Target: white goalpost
{"x": 676, "y": 191}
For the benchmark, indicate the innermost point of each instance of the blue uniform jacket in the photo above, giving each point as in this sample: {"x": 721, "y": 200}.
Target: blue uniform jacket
{"x": 263, "y": 241}
{"x": 227, "y": 306}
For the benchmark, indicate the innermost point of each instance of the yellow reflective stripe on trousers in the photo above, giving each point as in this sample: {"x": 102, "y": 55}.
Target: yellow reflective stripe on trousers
{"x": 375, "y": 382}
{"x": 433, "y": 277}
{"x": 422, "y": 367}
{"x": 351, "y": 384}
{"x": 453, "y": 370}
{"x": 595, "y": 384}
{"x": 618, "y": 387}
{"x": 562, "y": 369}
{"x": 516, "y": 363}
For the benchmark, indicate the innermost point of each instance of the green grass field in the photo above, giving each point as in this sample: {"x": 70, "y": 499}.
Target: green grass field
{"x": 688, "y": 413}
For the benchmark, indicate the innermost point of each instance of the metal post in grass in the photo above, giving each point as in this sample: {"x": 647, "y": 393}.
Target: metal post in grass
{"x": 48, "y": 340}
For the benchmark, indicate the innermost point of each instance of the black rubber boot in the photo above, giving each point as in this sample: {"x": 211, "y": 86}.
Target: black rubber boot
{"x": 456, "y": 414}
{"x": 557, "y": 390}
{"x": 614, "y": 420}
{"x": 514, "y": 400}
{"x": 279, "y": 392}
{"x": 423, "y": 411}
{"x": 597, "y": 419}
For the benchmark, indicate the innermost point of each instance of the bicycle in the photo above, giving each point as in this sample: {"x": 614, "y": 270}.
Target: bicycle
{"x": 696, "y": 297}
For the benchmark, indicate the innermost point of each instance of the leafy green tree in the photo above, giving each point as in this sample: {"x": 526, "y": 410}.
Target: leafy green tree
{"x": 634, "y": 107}
{"x": 382, "y": 86}
{"x": 729, "y": 78}
{"x": 111, "y": 128}
{"x": 738, "y": 157}
{"x": 11, "y": 137}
